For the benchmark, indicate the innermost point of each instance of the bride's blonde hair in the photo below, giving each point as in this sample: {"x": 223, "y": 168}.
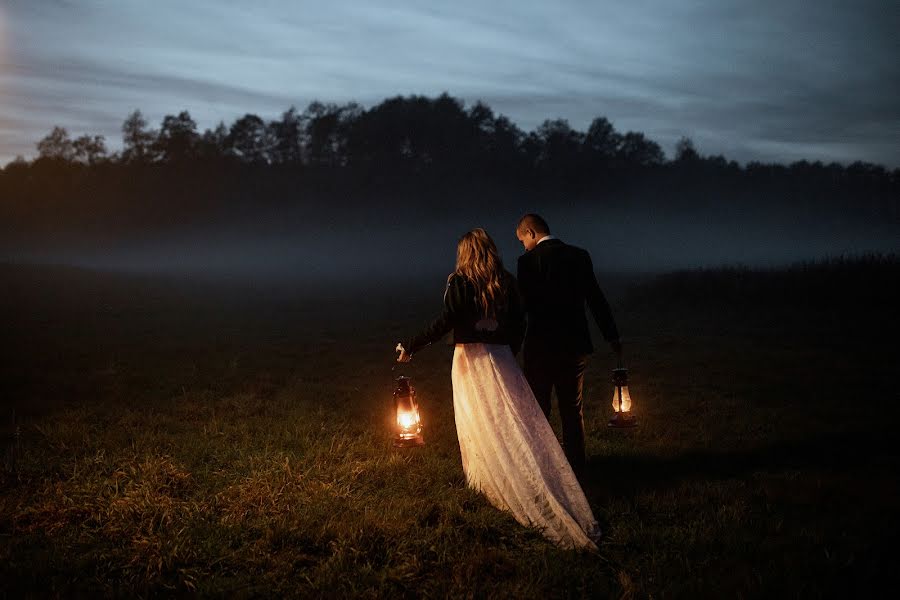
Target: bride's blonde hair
{"x": 478, "y": 260}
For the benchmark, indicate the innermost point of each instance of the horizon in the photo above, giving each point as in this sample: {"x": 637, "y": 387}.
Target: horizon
{"x": 115, "y": 145}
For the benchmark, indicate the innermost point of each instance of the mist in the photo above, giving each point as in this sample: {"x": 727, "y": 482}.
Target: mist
{"x": 339, "y": 194}
{"x": 371, "y": 245}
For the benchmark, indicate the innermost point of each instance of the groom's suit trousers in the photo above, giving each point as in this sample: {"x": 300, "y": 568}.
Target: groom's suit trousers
{"x": 546, "y": 371}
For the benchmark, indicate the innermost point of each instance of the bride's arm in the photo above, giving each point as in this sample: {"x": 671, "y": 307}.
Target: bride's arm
{"x": 441, "y": 325}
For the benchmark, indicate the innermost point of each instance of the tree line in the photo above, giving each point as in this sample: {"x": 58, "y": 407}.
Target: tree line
{"x": 412, "y": 133}
{"x": 405, "y": 145}
{"x": 407, "y": 133}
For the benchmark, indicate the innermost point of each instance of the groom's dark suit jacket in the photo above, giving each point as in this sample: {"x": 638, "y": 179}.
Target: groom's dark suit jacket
{"x": 556, "y": 280}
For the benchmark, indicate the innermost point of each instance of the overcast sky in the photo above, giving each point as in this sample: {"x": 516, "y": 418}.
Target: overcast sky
{"x": 765, "y": 80}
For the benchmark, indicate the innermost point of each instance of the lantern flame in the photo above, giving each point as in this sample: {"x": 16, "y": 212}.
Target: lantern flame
{"x": 409, "y": 423}
{"x": 407, "y": 419}
{"x": 621, "y": 399}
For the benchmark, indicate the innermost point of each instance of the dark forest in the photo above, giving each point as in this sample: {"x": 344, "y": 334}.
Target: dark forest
{"x": 404, "y": 164}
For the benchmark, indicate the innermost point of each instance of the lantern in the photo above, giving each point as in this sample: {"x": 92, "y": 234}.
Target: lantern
{"x": 621, "y": 401}
{"x": 406, "y": 409}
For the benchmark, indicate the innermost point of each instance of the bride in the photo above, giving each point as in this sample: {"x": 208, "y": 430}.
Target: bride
{"x": 509, "y": 452}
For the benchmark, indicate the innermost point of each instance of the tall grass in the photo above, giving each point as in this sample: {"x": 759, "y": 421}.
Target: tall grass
{"x": 160, "y": 456}
{"x": 842, "y": 282}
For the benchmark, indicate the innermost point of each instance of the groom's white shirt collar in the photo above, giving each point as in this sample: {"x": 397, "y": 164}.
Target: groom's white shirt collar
{"x": 545, "y": 238}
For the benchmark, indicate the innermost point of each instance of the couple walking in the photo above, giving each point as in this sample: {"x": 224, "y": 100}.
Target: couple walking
{"x": 509, "y": 452}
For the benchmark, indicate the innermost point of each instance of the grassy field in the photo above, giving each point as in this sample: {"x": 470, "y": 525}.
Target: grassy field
{"x": 189, "y": 437}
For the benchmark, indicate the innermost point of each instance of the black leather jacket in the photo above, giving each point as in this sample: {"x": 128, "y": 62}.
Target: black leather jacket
{"x": 464, "y": 317}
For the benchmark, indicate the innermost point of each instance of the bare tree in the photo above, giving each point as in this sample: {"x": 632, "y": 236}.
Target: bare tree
{"x": 137, "y": 139}
{"x": 685, "y": 151}
{"x": 636, "y": 150}
{"x": 287, "y": 138}
{"x": 56, "y": 145}
{"x": 89, "y": 149}
{"x": 178, "y": 138}
{"x": 248, "y": 139}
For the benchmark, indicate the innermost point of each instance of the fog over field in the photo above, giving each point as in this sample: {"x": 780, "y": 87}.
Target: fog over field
{"x": 366, "y": 244}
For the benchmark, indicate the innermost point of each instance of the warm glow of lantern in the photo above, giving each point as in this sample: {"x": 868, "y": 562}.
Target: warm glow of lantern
{"x": 409, "y": 423}
{"x": 621, "y": 399}
{"x": 406, "y": 420}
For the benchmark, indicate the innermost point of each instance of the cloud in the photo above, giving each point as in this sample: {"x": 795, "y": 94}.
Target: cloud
{"x": 753, "y": 82}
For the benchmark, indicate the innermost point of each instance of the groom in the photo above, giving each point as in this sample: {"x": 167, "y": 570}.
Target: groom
{"x": 556, "y": 281}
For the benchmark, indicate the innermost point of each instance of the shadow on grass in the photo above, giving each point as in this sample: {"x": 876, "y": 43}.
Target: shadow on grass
{"x": 845, "y": 452}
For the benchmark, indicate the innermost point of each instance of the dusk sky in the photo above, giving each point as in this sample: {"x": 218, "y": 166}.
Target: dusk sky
{"x": 768, "y": 80}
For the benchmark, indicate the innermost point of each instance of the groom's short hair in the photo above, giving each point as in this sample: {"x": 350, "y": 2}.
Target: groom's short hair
{"x": 533, "y": 222}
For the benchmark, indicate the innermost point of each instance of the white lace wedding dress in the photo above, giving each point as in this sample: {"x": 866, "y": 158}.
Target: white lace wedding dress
{"x": 510, "y": 453}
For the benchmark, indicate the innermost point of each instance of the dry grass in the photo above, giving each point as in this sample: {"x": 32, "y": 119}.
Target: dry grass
{"x": 266, "y": 468}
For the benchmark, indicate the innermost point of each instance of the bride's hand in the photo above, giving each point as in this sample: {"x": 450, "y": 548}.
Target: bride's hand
{"x": 404, "y": 357}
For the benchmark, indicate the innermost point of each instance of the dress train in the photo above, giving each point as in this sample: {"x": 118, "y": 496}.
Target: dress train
{"x": 509, "y": 451}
